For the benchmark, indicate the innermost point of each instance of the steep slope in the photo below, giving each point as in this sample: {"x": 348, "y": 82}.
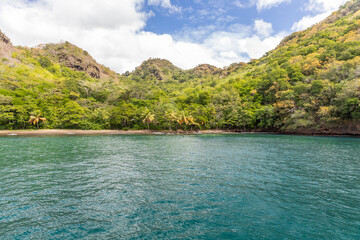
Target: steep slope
{"x": 74, "y": 58}
{"x": 61, "y": 82}
{"x": 6, "y": 48}
{"x": 311, "y": 80}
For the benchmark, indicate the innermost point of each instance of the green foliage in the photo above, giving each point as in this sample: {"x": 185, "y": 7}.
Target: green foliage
{"x": 45, "y": 62}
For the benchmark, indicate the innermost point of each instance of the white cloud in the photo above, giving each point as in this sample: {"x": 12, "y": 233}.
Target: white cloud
{"x": 263, "y": 28}
{"x": 260, "y": 4}
{"x": 308, "y": 21}
{"x": 165, "y": 4}
{"x": 112, "y": 32}
{"x": 239, "y": 4}
{"x": 319, "y": 6}
{"x": 257, "y": 47}
{"x": 266, "y": 4}
{"x": 323, "y": 8}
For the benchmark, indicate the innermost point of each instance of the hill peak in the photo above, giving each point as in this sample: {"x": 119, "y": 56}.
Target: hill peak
{"x": 75, "y": 58}
{"x": 347, "y": 16}
{"x": 160, "y": 69}
{"x": 162, "y": 63}
{"x": 205, "y": 69}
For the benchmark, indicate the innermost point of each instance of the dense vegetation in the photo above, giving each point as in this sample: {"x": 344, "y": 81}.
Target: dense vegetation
{"x": 310, "y": 81}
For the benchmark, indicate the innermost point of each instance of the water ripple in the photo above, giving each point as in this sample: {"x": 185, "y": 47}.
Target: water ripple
{"x": 185, "y": 187}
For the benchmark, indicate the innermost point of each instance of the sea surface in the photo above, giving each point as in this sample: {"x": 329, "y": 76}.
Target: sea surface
{"x": 246, "y": 186}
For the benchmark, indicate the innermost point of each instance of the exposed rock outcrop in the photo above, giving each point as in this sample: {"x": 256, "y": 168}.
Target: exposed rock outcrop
{"x": 4, "y": 38}
{"x": 79, "y": 63}
{"x": 6, "y": 48}
{"x": 75, "y": 58}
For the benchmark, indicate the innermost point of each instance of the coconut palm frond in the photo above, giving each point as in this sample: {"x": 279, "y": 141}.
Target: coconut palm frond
{"x": 186, "y": 120}
{"x": 31, "y": 119}
{"x": 35, "y": 120}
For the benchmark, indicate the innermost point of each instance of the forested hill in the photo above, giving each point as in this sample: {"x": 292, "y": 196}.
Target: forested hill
{"x": 309, "y": 84}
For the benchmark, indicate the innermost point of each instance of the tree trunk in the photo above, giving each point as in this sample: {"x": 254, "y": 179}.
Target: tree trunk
{"x": 37, "y": 124}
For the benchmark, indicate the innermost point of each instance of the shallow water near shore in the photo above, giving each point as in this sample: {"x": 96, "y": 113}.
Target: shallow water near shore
{"x": 248, "y": 186}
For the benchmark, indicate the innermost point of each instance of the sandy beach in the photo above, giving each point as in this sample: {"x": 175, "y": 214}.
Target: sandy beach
{"x": 56, "y": 132}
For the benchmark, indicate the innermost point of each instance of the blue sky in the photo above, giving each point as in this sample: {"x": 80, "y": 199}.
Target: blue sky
{"x": 123, "y": 33}
{"x": 222, "y": 14}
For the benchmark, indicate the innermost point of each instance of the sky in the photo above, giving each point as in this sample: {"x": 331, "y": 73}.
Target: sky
{"x": 121, "y": 34}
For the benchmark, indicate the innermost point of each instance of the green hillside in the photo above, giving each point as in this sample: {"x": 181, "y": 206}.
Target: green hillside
{"x": 309, "y": 84}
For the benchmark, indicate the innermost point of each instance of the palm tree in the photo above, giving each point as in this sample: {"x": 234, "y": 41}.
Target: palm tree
{"x": 172, "y": 117}
{"x": 188, "y": 120}
{"x": 182, "y": 119}
{"x": 149, "y": 118}
{"x": 192, "y": 122}
{"x": 35, "y": 120}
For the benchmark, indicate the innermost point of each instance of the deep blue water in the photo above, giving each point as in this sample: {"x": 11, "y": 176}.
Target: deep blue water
{"x": 180, "y": 187}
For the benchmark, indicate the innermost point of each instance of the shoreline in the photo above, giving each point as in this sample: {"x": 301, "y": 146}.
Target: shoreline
{"x": 71, "y": 132}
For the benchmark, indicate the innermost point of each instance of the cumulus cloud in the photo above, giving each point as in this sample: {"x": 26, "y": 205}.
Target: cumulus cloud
{"x": 260, "y": 4}
{"x": 112, "y": 32}
{"x": 263, "y": 28}
{"x": 308, "y": 21}
{"x": 322, "y": 8}
{"x": 324, "y": 5}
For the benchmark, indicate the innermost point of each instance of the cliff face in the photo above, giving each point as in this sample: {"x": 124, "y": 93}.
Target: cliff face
{"x": 75, "y": 58}
{"x": 4, "y": 39}
{"x": 6, "y": 48}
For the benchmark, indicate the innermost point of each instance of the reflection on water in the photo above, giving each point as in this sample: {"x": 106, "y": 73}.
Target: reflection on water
{"x": 156, "y": 187}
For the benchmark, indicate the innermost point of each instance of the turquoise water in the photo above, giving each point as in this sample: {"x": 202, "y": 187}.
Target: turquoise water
{"x": 180, "y": 187}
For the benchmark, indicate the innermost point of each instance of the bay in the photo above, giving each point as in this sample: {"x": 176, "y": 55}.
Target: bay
{"x": 246, "y": 186}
